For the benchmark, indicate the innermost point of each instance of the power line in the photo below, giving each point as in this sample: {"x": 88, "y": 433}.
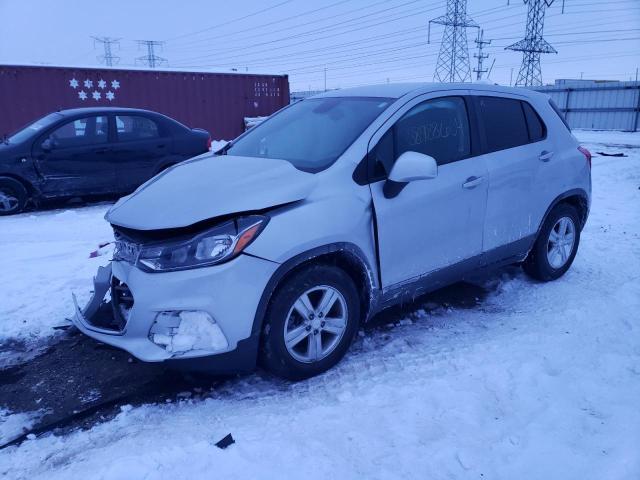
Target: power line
{"x": 232, "y": 21}
{"x": 151, "y": 60}
{"x": 453, "y": 59}
{"x": 346, "y": 25}
{"x": 108, "y": 58}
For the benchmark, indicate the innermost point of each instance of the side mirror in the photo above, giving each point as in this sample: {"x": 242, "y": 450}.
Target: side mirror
{"x": 47, "y": 145}
{"x": 409, "y": 166}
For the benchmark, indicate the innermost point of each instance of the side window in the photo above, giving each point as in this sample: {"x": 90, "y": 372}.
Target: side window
{"x": 438, "y": 128}
{"x": 504, "y": 123}
{"x": 537, "y": 130}
{"x": 131, "y": 127}
{"x": 80, "y": 132}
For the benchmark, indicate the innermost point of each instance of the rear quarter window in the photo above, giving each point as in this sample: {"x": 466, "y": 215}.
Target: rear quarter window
{"x": 537, "y": 129}
{"x": 559, "y": 113}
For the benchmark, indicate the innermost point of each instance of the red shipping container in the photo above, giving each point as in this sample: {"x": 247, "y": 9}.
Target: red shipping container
{"x": 217, "y": 102}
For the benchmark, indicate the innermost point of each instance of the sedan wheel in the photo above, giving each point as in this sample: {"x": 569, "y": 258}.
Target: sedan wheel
{"x": 13, "y": 196}
{"x": 8, "y": 201}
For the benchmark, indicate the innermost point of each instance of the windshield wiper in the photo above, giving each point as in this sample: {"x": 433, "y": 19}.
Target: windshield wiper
{"x": 223, "y": 150}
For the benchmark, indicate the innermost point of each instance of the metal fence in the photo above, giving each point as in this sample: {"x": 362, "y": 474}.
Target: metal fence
{"x": 597, "y": 105}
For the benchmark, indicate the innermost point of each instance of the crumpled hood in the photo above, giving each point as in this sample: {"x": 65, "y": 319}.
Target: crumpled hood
{"x": 207, "y": 187}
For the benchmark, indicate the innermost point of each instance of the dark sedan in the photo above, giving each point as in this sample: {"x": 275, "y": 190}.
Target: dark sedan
{"x": 91, "y": 152}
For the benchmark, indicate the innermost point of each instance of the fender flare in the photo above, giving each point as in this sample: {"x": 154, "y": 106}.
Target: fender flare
{"x": 579, "y": 192}
{"x": 287, "y": 267}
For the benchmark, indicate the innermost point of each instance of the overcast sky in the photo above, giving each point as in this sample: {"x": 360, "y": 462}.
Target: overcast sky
{"x": 357, "y": 41}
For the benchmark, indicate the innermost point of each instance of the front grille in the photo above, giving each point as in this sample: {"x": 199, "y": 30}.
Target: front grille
{"x": 121, "y": 303}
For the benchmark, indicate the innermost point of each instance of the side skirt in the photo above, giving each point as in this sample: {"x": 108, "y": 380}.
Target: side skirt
{"x": 407, "y": 292}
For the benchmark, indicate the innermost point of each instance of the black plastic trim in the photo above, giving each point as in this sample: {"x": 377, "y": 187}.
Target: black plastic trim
{"x": 482, "y": 263}
{"x": 241, "y": 360}
{"x": 298, "y": 260}
{"x": 569, "y": 193}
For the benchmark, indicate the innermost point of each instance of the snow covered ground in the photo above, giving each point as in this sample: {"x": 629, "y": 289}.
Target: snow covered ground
{"x": 542, "y": 381}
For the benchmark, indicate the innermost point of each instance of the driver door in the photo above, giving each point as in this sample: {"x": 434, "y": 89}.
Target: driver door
{"x": 75, "y": 158}
{"x": 435, "y": 223}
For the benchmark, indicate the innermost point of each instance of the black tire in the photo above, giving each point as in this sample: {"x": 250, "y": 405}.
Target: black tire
{"x": 13, "y": 196}
{"x": 537, "y": 263}
{"x": 274, "y": 355}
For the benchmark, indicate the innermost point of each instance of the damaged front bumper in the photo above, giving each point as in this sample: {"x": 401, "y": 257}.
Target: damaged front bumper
{"x": 201, "y": 318}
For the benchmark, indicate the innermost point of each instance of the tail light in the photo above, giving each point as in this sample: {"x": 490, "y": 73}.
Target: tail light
{"x": 209, "y": 143}
{"x": 587, "y": 155}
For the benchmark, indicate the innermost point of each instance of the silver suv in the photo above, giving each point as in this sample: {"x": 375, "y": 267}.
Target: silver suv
{"x": 276, "y": 248}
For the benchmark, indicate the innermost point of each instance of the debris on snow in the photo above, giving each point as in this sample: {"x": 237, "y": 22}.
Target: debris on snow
{"x": 225, "y": 442}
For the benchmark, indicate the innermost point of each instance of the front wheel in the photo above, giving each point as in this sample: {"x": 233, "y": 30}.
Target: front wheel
{"x": 13, "y": 196}
{"x": 310, "y": 323}
{"x": 556, "y": 245}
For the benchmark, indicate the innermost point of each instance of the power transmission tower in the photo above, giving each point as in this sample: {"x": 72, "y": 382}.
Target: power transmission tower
{"x": 481, "y": 42}
{"x": 108, "y": 58}
{"x": 453, "y": 59}
{"x": 533, "y": 44}
{"x": 151, "y": 60}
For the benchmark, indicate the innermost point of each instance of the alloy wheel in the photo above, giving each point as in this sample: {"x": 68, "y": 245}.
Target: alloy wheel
{"x": 561, "y": 241}
{"x": 8, "y": 201}
{"x": 315, "y": 324}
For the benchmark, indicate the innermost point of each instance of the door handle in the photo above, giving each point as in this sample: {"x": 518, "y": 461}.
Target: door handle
{"x": 472, "y": 182}
{"x": 162, "y": 146}
{"x": 545, "y": 156}
{"x": 101, "y": 150}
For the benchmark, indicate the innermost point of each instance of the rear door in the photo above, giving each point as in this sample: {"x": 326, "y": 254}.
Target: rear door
{"x": 515, "y": 146}
{"x": 141, "y": 145}
{"x": 75, "y": 158}
{"x": 435, "y": 223}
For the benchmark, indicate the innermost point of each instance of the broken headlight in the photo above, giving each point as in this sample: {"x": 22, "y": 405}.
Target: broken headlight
{"x": 217, "y": 245}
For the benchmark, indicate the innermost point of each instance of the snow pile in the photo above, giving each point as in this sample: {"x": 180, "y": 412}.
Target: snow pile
{"x": 250, "y": 122}
{"x": 12, "y": 425}
{"x": 541, "y": 381}
{"x": 44, "y": 257}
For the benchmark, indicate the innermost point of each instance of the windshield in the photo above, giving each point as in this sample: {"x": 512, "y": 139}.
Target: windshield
{"x": 313, "y": 133}
{"x": 35, "y": 127}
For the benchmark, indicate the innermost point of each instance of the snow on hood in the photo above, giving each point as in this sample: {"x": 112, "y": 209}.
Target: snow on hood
{"x": 207, "y": 187}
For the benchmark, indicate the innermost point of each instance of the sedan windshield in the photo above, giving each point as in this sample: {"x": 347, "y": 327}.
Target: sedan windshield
{"x": 313, "y": 133}
{"x": 35, "y": 127}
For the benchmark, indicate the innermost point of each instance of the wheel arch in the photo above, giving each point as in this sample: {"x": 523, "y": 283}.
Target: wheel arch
{"x": 577, "y": 198}
{"x": 346, "y": 256}
{"x": 28, "y": 186}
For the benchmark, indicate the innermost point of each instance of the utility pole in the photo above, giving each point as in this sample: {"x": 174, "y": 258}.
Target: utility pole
{"x": 453, "y": 58}
{"x": 107, "y": 58}
{"x": 533, "y": 44}
{"x": 151, "y": 60}
{"x": 480, "y": 56}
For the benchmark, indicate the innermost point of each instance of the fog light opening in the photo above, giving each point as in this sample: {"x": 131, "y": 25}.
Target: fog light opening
{"x": 185, "y": 331}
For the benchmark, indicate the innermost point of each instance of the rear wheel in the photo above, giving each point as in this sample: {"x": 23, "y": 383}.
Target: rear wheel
{"x": 310, "y": 323}
{"x": 556, "y": 245}
{"x": 13, "y": 196}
